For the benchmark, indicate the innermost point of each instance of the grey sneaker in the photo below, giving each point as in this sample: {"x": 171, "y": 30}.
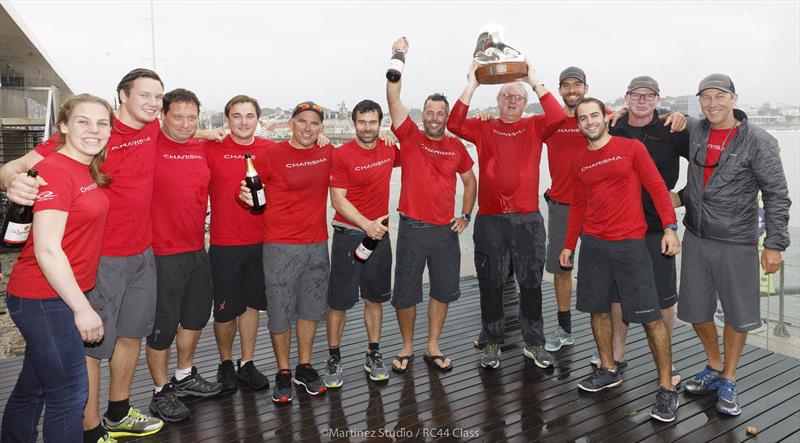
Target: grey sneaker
{"x": 195, "y": 385}
{"x": 539, "y": 355}
{"x": 600, "y": 379}
{"x": 703, "y": 382}
{"x": 332, "y": 377}
{"x": 135, "y": 424}
{"x": 166, "y": 405}
{"x": 491, "y": 356}
{"x": 595, "y": 361}
{"x": 559, "y": 338}
{"x": 374, "y": 367}
{"x": 727, "y": 399}
{"x": 666, "y": 406}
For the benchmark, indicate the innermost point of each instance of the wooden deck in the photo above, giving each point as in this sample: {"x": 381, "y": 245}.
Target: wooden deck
{"x": 517, "y": 402}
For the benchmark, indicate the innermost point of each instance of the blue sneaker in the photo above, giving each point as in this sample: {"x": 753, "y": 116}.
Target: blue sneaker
{"x": 703, "y": 382}
{"x": 727, "y": 399}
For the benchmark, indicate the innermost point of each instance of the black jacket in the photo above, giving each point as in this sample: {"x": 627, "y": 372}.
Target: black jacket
{"x": 727, "y": 208}
{"x": 665, "y": 149}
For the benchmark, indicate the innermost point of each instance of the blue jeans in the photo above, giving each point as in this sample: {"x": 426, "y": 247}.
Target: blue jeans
{"x": 53, "y": 374}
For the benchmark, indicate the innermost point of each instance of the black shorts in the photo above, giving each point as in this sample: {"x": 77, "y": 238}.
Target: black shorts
{"x": 349, "y": 276}
{"x": 419, "y": 243}
{"x": 184, "y": 295}
{"x": 623, "y": 267}
{"x": 664, "y": 272}
{"x": 238, "y": 275}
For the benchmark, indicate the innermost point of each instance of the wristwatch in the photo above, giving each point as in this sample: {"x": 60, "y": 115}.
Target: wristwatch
{"x": 673, "y": 226}
{"x": 466, "y": 216}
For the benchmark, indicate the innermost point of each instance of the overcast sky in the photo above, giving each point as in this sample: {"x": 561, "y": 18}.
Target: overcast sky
{"x": 285, "y": 52}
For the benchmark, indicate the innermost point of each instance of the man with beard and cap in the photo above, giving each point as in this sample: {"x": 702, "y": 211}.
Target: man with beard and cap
{"x": 361, "y": 170}
{"x": 428, "y": 231}
{"x": 730, "y": 162}
{"x": 509, "y": 230}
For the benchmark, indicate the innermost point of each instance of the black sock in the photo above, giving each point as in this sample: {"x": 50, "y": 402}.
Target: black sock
{"x": 92, "y": 435}
{"x": 117, "y": 410}
{"x": 374, "y": 346}
{"x": 335, "y": 352}
{"x": 565, "y": 321}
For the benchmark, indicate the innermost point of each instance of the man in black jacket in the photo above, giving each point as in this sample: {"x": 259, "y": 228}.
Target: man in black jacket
{"x": 665, "y": 148}
{"x": 730, "y": 162}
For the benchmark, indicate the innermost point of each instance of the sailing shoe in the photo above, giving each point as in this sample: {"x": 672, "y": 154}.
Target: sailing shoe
{"x": 107, "y": 439}
{"x": 727, "y": 399}
{"x": 374, "y": 367}
{"x": 195, "y": 385}
{"x": 666, "y": 406}
{"x": 226, "y": 375}
{"x": 283, "y": 391}
{"x": 166, "y": 405}
{"x": 249, "y": 374}
{"x": 491, "y": 356}
{"x": 307, "y": 377}
{"x": 135, "y": 424}
{"x": 539, "y": 355}
{"x": 600, "y": 379}
{"x": 703, "y": 382}
{"x": 559, "y": 338}
{"x": 333, "y": 373}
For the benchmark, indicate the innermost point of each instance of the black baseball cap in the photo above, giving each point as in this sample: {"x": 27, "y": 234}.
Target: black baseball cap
{"x": 309, "y": 106}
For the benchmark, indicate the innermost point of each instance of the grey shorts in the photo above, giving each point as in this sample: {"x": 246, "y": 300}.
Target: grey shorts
{"x": 349, "y": 277}
{"x": 419, "y": 243}
{"x": 125, "y": 299}
{"x": 664, "y": 272}
{"x": 296, "y": 280}
{"x": 622, "y": 267}
{"x": 556, "y": 233}
{"x": 712, "y": 269}
{"x": 184, "y": 295}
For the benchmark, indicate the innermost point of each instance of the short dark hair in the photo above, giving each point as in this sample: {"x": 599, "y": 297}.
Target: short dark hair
{"x": 591, "y": 100}
{"x": 179, "y": 95}
{"x": 242, "y": 99}
{"x": 437, "y": 97}
{"x": 365, "y": 106}
{"x": 127, "y": 81}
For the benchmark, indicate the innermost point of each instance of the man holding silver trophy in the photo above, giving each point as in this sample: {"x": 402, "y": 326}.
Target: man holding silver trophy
{"x": 509, "y": 230}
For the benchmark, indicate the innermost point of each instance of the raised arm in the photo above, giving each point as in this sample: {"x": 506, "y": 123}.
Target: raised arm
{"x": 397, "y": 111}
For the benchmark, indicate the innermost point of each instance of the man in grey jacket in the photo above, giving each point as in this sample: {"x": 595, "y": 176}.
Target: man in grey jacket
{"x": 730, "y": 161}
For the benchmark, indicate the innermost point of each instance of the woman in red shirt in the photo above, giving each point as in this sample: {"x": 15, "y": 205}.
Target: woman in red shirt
{"x": 46, "y": 290}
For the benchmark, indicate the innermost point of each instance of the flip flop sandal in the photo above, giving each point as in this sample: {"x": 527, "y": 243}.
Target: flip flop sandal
{"x": 400, "y": 359}
{"x": 432, "y": 359}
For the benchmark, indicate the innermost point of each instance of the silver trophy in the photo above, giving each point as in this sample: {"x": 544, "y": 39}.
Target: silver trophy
{"x": 498, "y": 62}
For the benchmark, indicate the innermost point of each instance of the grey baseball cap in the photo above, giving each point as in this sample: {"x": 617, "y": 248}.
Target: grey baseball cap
{"x": 574, "y": 72}
{"x": 717, "y": 81}
{"x": 643, "y": 81}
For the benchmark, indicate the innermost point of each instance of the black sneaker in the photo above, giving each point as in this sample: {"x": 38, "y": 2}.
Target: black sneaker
{"x": 195, "y": 385}
{"x": 600, "y": 379}
{"x": 666, "y": 406}
{"x": 283, "y": 387}
{"x": 306, "y": 376}
{"x": 166, "y": 405}
{"x": 226, "y": 374}
{"x": 249, "y": 374}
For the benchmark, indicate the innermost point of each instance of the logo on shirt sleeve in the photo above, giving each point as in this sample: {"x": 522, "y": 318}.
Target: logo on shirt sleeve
{"x": 46, "y": 196}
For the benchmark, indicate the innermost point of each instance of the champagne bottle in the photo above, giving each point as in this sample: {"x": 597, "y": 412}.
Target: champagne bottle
{"x": 367, "y": 246}
{"x": 253, "y": 182}
{"x": 18, "y": 222}
{"x": 396, "y": 65}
